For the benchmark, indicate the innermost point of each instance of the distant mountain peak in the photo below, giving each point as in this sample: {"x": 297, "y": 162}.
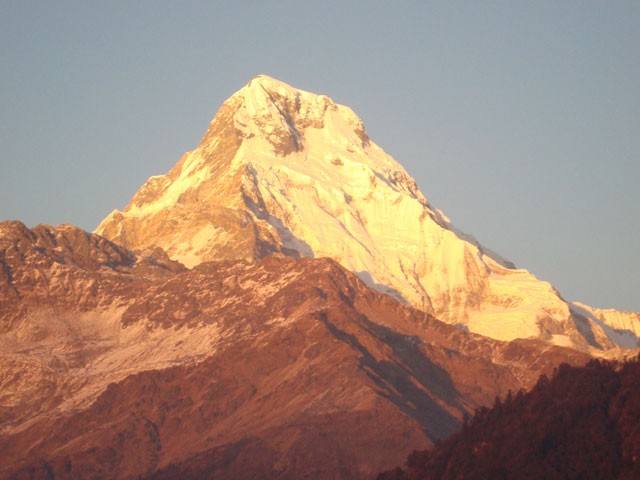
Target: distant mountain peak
{"x": 280, "y": 113}
{"x": 282, "y": 170}
{"x": 264, "y": 86}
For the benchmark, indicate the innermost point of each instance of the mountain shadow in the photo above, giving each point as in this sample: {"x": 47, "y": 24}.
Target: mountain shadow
{"x": 408, "y": 379}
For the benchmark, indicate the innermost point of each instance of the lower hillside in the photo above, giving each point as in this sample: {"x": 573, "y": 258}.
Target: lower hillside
{"x": 122, "y": 365}
{"x": 584, "y": 423}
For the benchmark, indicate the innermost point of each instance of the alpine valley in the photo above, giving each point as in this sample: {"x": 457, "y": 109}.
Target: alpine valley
{"x": 284, "y": 303}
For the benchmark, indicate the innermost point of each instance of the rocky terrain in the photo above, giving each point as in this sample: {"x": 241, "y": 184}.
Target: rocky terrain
{"x": 120, "y": 365}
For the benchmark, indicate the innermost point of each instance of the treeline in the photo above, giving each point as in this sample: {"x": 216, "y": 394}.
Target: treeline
{"x": 583, "y": 423}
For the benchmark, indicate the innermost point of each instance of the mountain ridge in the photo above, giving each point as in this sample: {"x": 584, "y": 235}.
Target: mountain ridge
{"x": 119, "y": 365}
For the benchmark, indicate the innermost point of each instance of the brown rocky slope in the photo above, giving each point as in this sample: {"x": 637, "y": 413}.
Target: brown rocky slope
{"x": 123, "y": 365}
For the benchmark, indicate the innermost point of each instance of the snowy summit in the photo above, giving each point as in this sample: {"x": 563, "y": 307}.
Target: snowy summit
{"x": 284, "y": 170}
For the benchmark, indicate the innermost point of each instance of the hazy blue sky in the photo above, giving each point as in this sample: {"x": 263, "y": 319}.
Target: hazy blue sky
{"x": 520, "y": 120}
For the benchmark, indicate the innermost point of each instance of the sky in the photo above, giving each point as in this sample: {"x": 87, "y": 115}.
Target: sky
{"x": 519, "y": 120}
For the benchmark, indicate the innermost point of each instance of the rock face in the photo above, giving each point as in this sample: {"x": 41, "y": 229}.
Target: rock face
{"x": 122, "y": 365}
{"x": 283, "y": 170}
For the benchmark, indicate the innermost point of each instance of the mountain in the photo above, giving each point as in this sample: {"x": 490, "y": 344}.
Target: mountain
{"x": 583, "y": 423}
{"x": 267, "y": 309}
{"x": 121, "y": 364}
{"x": 283, "y": 170}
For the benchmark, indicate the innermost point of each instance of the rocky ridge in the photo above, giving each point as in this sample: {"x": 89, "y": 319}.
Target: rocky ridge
{"x": 120, "y": 365}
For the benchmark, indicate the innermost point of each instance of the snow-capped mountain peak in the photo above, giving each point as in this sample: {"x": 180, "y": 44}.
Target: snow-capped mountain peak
{"x": 277, "y": 111}
{"x": 284, "y": 170}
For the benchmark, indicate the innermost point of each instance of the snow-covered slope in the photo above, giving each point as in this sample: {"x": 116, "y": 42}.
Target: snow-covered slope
{"x": 283, "y": 170}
